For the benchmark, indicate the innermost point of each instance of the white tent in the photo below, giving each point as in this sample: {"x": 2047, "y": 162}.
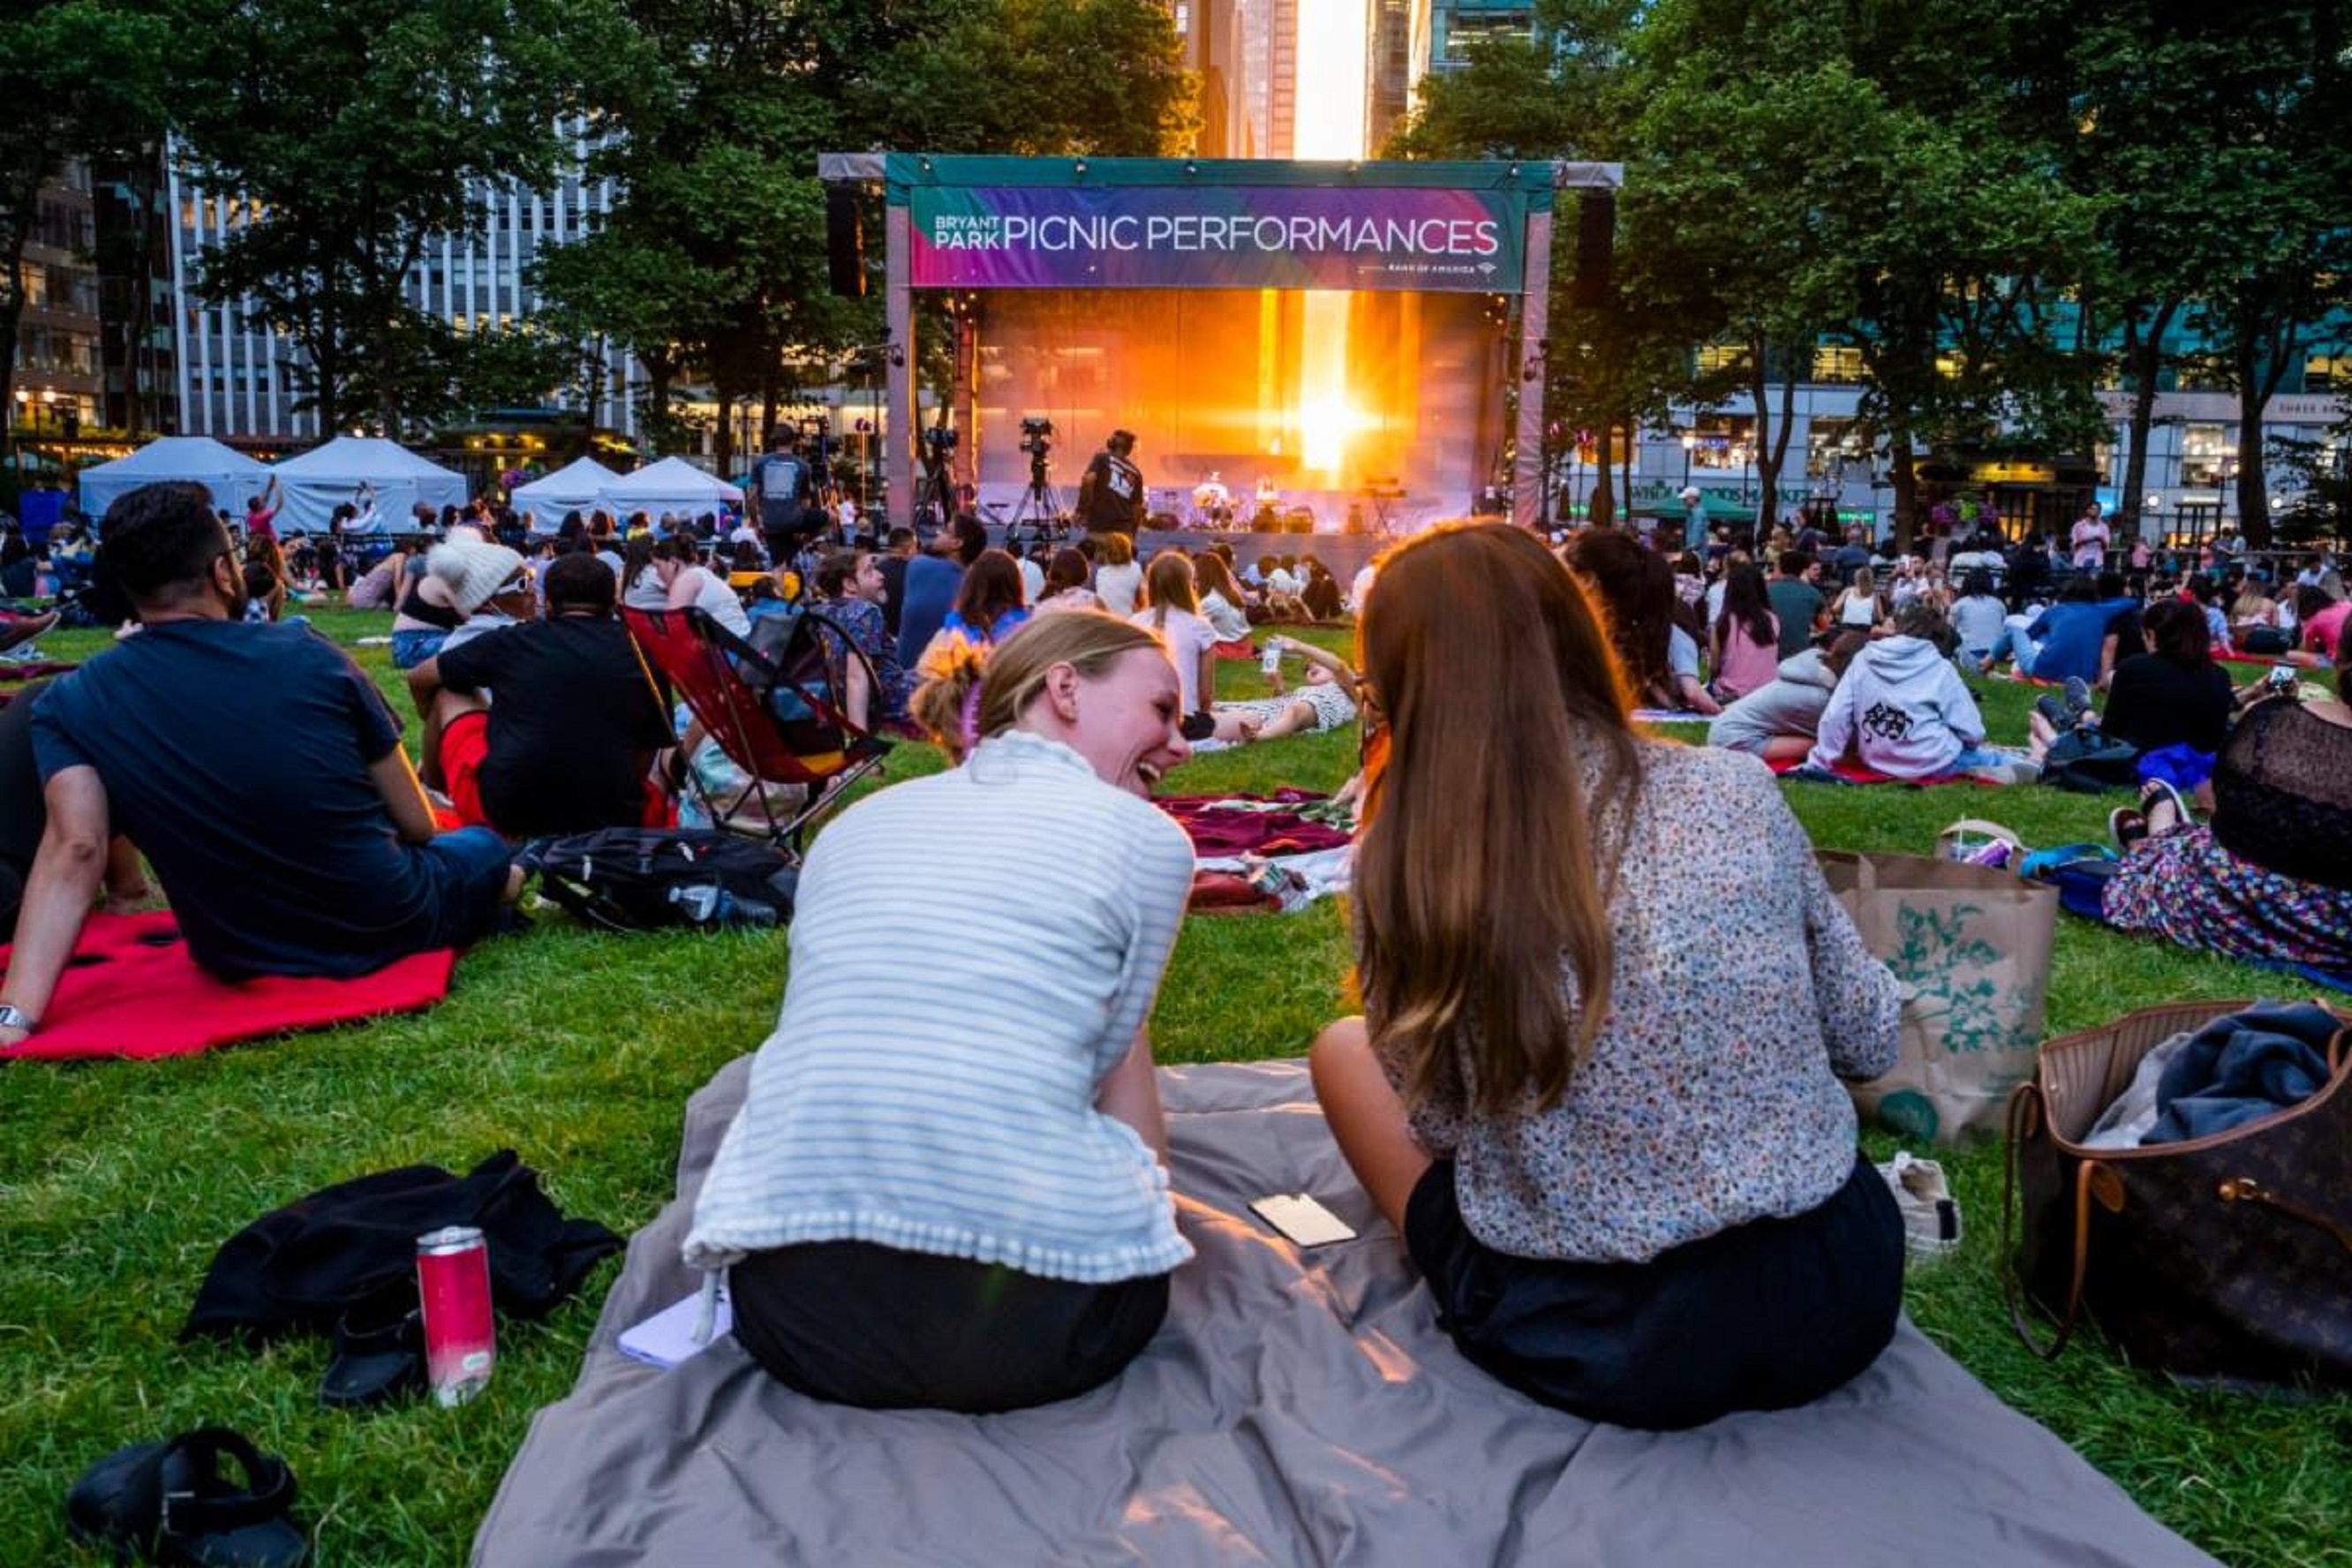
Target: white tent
{"x": 230, "y": 476}
{"x": 314, "y": 484}
{"x": 576, "y": 486}
{"x": 672, "y": 485}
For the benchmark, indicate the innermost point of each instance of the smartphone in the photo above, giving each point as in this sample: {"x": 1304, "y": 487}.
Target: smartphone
{"x": 1270, "y": 660}
{"x": 2281, "y": 678}
{"x": 1302, "y": 1219}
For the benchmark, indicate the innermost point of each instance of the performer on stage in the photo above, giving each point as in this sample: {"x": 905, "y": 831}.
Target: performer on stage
{"x": 1110, "y": 496}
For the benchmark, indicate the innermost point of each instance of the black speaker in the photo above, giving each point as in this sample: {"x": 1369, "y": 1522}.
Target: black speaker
{"x": 1596, "y": 241}
{"x": 844, "y": 242}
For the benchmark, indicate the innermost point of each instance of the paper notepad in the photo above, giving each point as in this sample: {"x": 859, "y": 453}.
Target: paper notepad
{"x": 666, "y": 1338}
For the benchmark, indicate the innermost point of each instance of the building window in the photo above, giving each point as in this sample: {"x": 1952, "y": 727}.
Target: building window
{"x": 1714, "y": 359}
{"x": 2327, "y": 373}
{"x": 1837, "y": 364}
{"x": 2205, "y": 455}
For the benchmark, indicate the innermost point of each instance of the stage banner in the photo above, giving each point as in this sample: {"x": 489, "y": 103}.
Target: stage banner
{"x": 1160, "y": 237}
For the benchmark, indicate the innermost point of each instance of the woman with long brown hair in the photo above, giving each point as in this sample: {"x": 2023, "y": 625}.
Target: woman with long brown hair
{"x": 1612, "y": 1138}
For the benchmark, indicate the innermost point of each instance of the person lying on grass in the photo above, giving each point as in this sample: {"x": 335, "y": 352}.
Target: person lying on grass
{"x": 1324, "y": 700}
{"x": 259, "y": 770}
{"x": 1615, "y": 1141}
{"x": 947, "y": 1188}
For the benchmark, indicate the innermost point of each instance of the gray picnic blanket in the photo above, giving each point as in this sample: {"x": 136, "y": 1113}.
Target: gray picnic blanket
{"x": 1294, "y": 1409}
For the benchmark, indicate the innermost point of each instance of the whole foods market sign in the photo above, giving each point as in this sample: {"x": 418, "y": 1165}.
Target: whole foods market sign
{"x": 1234, "y": 238}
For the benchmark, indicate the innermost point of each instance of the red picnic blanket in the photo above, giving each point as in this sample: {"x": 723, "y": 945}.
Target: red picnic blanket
{"x": 1219, "y": 828}
{"x": 131, "y": 990}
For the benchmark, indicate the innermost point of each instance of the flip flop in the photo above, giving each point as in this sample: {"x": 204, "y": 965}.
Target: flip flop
{"x": 169, "y": 1503}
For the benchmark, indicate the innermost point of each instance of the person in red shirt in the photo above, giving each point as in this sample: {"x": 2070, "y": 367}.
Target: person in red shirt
{"x": 2323, "y": 618}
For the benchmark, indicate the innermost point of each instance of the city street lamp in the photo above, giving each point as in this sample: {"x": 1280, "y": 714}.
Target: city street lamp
{"x": 1690, "y": 445}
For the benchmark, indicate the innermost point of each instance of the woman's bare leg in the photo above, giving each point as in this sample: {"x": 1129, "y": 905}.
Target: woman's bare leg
{"x": 1367, "y": 1116}
{"x": 1788, "y": 748}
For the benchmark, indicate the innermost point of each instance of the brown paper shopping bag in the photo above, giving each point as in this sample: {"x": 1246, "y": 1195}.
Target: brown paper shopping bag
{"x": 1972, "y": 949}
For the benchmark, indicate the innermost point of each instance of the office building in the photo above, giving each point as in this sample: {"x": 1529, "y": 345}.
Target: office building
{"x": 238, "y": 377}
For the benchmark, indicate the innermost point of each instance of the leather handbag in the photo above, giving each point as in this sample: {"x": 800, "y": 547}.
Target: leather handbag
{"x": 2224, "y": 1259}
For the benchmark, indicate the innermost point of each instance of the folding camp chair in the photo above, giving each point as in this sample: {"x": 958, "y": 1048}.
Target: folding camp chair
{"x": 777, "y": 713}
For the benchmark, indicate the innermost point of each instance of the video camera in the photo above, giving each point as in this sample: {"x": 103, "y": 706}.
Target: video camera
{"x": 1036, "y": 436}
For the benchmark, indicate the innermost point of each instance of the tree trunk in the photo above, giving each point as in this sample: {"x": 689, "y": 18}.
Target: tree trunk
{"x": 1903, "y": 471}
{"x": 722, "y": 442}
{"x": 1601, "y": 505}
{"x": 1771, "y": 439}
{"x": 2143, "y": 359}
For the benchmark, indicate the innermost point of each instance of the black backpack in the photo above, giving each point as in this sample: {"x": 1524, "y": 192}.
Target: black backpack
{"x": 654, "y": 878}
{"x": 2088, "y": 763}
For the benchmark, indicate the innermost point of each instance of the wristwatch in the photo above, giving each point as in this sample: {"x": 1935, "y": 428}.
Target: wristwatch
{"x": 15, "y": 1017}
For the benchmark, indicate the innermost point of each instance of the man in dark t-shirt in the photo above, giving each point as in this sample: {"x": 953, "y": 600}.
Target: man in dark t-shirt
{"x": 1796, "y": 602}
{"x": 25, "y": 817}
{"x": 565, "y": 741}
{"x": 1110, "y": 495}
{"x": 256, "y": 767}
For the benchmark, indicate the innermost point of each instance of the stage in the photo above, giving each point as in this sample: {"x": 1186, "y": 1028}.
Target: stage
{"x": 1333, "y": 331}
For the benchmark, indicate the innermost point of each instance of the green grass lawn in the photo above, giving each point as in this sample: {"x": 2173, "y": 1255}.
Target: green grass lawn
{"x": 118, "y": 1180}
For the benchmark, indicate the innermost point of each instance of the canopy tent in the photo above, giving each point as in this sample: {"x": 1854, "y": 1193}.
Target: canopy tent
{"x": 672, "y": 485}
{"x": 229, "y": 476}
{"x": 314, "y": 484}
{"x": 576, "y": 486}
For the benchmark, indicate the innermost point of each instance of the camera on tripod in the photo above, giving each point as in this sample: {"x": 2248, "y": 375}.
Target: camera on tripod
{"x": 1037, "y": 437}
{"x": 938, "y": 445}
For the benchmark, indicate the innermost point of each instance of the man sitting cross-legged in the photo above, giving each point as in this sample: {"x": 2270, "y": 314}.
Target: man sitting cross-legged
{"x": 548, "y": 726}
{"x": 258, "y": 770}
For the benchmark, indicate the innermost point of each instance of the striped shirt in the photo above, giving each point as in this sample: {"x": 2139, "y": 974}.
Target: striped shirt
{"x": 972, "y": 953}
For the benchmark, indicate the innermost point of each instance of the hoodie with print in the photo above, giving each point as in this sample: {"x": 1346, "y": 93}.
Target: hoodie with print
{"x": 1904, "y": 711}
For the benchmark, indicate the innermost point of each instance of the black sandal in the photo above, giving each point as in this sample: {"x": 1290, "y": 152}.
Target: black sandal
{"x": 168, "y": 1502}
{"x": 379, "y": 1356}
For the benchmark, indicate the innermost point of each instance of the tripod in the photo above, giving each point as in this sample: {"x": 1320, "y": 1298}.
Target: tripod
{"x": 1039, "y": 509}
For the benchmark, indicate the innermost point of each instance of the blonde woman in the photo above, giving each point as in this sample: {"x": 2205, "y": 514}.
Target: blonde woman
{"x": 947, "y": 1188}
{"x": 1118, "y": 581}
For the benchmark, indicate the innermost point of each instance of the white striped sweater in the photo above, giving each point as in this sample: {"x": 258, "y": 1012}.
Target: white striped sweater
{"x": 971, "y": 953}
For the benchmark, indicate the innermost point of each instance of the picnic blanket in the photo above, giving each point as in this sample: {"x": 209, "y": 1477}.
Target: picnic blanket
{"x": 1251, "y": 824}
{"x": 131, "y": 990}
{"x": 1851, "y": 771}
{"x": 1296, "y": 1408}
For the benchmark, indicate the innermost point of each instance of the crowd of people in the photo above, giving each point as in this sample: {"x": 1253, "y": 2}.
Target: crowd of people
{"x": 1615, "y": 1146}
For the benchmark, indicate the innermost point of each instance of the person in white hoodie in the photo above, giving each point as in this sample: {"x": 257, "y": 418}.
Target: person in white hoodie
{"x": 1903, "y": 711}
{"x": 1778, "y": 720}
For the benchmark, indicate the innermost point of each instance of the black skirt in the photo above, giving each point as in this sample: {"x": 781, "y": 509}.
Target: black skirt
{"x": 872, "y": 1326}
{"x": 1759, "y": 1317}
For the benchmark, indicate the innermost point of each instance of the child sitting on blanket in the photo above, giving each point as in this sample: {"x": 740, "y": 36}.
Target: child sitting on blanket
{"x": 1902, "y": 711}
{"x": 1615, "y": 1143}
{"x": 947, "y": 1188}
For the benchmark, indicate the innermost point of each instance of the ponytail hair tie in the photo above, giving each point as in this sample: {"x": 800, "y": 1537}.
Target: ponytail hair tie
{"x": 971, "y": 718}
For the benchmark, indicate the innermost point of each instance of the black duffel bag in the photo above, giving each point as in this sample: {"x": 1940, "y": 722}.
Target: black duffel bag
{"x": 656, "y": 878}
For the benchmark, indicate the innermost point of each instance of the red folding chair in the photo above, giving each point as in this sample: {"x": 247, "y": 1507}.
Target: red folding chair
{"x": 779, "y": 712}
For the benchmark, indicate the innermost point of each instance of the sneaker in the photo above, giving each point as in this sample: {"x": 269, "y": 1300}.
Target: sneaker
{"x": 2078, "y": 695}
{"x": 2054, "y": 708}
{"x": 20, "y": 631}
{"x": 1931, "y": 1215}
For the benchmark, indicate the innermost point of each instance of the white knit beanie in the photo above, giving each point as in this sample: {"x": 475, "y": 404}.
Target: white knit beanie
{"x": 473, "y": 571}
